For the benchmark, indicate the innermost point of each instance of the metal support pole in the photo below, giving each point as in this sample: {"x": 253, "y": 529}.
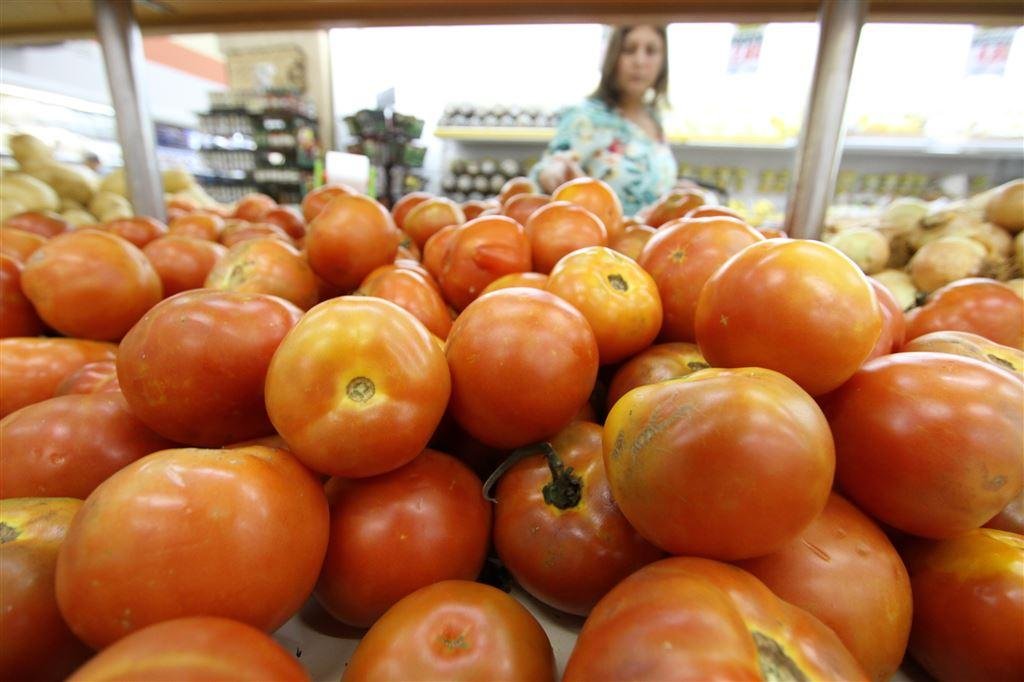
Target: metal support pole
{"x": 821, "y": 137}
{"x": 122, "y": 53}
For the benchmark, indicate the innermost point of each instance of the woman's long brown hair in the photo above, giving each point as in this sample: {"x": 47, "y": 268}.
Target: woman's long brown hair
{"x": 608, "y": 91}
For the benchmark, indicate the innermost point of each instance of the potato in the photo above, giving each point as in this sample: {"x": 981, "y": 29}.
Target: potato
{"x": 74, "y": 182}
{"x": 177, "y": 180}
{"x": 79, "y": 217}
{"x": 115, "y": 182}
{"x": 108, "y": 202}
{"x": 29, "y": 150}
{"x": 33, "y": 193}
{"x": 9, "y": 207}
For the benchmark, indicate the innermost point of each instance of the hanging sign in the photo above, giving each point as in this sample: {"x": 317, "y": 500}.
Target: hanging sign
{"x": 990, "y": 48}
{"x": 745, "y": 49}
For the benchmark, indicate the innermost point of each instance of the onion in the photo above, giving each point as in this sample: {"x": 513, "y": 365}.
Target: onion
{"x": 1006, "y": 206}
{"x": 900, "y": 285}
{"x": 946, "y": 260}
{"x": 865, "y": 247}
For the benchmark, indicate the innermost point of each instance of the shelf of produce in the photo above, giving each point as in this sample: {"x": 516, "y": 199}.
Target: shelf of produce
{"x": 483, "y": 134}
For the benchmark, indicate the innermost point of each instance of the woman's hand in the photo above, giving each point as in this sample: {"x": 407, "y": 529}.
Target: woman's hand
{"x": 560, "y": 168}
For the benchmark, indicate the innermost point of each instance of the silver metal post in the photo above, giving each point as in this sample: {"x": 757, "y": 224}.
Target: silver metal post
{"x": 122, "y": 53}
{"x": 821, "y": 137}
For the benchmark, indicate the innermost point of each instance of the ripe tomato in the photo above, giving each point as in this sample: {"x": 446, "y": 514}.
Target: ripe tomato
{"x": 523, "y": 362}
{"x": 894, "y": 327}
{"x": 557, "y": 529}
{"x": 139, "y": 230}
{"x": 314, "y": 202}
{"x": 198, "y": 225}
{"x": 1011, "y": 518}
{"x": 235, "y": 533}
{"x": 514, "y": 186}
{"x": 597, "y": 197}
{"x": 723, "y": 463}
{"x": 968, "y": 606}
{"x": 632, "y": 240}
{"x": 89, "y": 284}
{"x": 980, "y": 306}
{"x": 95, "y": 377}
{"x": 707, "y": 211}
{"x": 674, "y": 205}
{"x": 238, "y": 231}
{"x": 32, "y": 368}
{"x": 531, "y": 280}
{"x": 265, "y": 266}
{"x": 68, "y": 445}
{"x": 406, "y": 204}
{"x": 413, "y": 292}
{"x": 288, "y": 219}
{"x": 519, "y": 207}
{"x": 558, "y": 228}
{"x": 350, "y": 237}
{"x": 193, "y": 368}
{"x": 696, "y": 619}
{"x": 660, "y": 362}
{"x": 479, "y": 252}
{"x": 197, "y": 648}
{"x": 681, "y": 256}
{"x": 182, "y": 262}
{"x": 970, "y": 346}
{"x": 843, "y": 570}
{"x": 37, "y": 643}
{"x": 358, "y": 387}
{"x": 473, "y": 209}
{"x": 392, "y": 534}
{"x": 253, "y": 207}
{"x": 44, "y": 224}
{"x": 407, "y": 249}
{"x": 454, "y": 630}
{"x": 19, "y": 244}
{"x": 796, "y": 306}
{"x": 435, "y": 249}
{"x": 929, "y": 443}
{"x": 17, "y": 314}
{"x": 425, "y": 218}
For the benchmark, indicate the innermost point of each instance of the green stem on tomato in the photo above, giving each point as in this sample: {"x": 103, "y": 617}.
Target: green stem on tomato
{"x": 565, "y": 489}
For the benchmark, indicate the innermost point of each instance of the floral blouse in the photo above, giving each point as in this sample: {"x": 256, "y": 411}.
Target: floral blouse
{"x": 614, "y": 149}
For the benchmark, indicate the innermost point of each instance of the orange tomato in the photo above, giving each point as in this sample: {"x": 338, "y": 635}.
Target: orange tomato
{"x": 350, "y": 237}
{"x": 520, "y": 207}
{"x": 660, "y": 362}
{"x": 426, "y": 217}
{"x": 139, "y": 230}
{"x": 198, "y": 225}
{"x": 19, "y": 244}
{"x": 314, "y": 202}
{"x": 558, "y": 228}
{"x": 406, "y": 204}
{"x": 265, "y": 266}
{"x": 32, "y": 368}
{"x": 632, "y": 240}
{"x": 478, "y": 253}
{"x": 597, "y": 197}
{"x": 409, "y": 289}
{"x": 514, "y": 186}
{"x": 532, "y": 280}
{"x": 45, "y": 224}
{"x": 182, "y": 262}
{"x": 17, "y": 314}
{"x": 253, "y": 207}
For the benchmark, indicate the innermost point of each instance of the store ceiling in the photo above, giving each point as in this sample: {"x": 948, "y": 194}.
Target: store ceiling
{"x": 49, "y": 19}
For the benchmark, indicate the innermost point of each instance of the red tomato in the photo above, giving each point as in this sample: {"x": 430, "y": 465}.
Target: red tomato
{"x": 632, "y": 240}
{"x": 706, "y": 211}
{"x": 288, "y": 219}
{"x": 407, "y": 249}
{"x": 796, "y": 306}
{"x": 426, "y": 217}
{"x": 531, "y": 280}
{"x": 454, "y": 630}
{"x": 238, "y": 231}
{"x": 523, "y": 362}
{"x": 139, "y": 230}
{"x": 597, "y": 197}
{"x": 197, "y": 648}
{"x": 37, "y": 643}
{"x": 42, "y": 223}
{"x": 1011, "y": 518}
{"x": 723, "y": 463}
{"x": 894, "y": 328}
{"x": 358, "y": 387}
{"x": 519, "y": 207}
{"x": 843, "y": 570}
{"x": 682, "y": 256}
{"x": 392, "y": 534}
{"x": 980, "y": 306}
{"x": 197, "y": 225}
{"x": 182, "y": 262}
{"x": 557, "y": 529}
{"x": 410, "y": 290}
{"x": 695, "y": 619}
{"x": 617, "y": 296}
{"x": 435, "y": 249}
{"x": 473, "y": 209}
{"x": 929, "y": 443}
{"x": 31, "y": 369}
{"x": 558, "y": 228}
{"x": 193, "y": 368}
{"x": 406, "y": 204}
{"x": 350, "y": 237}
{"x": 90, "y": 284}
{"x": 95, "y": 377}
{"x": 658, "y": 363}
{"x": 969, "y": 606}
{"x": 514, "y": 186}
{"x": 479, "y": 252}
{"x": 19, "y": 244}
{"x": 68, "y": 445}
{"x": 674, "y": 205}
{"x": 265, "y": 266}
{"x": 17, "y": 314}
{"x": 235, "y": 533}
{"x": 253, "y": 207}
{"x": 315, "y": 202}
{"x": 970, "y": 346}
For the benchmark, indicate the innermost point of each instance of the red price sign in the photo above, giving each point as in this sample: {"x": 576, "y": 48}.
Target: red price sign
{"x": 990, "y": 48}
{"x": 745, "y": 49}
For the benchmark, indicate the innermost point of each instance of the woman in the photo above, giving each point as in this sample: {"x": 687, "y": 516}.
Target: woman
{"x": 616, "y": 134}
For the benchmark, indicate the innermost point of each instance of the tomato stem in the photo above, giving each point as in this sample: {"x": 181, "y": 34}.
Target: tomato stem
{"x": 510, "y": 461}
{"x": 565, "y": 488}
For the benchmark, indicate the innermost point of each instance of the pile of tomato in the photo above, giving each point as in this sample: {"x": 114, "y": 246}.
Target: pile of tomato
{"x": 730, "y": 451}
